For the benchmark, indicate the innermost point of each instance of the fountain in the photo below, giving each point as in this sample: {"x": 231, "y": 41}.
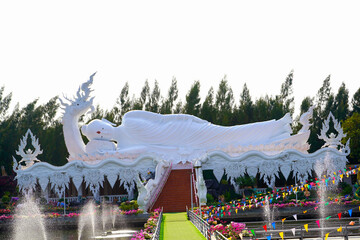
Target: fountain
{"x": 114, "y": 211}
{"x": 87, "y": 218}
{"x": 29, "y": 222}
{"x": 322, "y": 196}
{"x": 322, "y": 209}
{"x": 269, "y": 216}
{"x": 105, "y": 215}
{"x": 88, "y": 224}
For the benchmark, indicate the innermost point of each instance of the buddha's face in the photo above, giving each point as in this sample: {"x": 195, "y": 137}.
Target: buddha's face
{"x": 98, "y": 130}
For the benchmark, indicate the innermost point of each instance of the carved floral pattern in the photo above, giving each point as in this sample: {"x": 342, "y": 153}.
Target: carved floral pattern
{"x": 26, "y": 182}
{"x": 127, "y": 177}
{"x": 80, "y": 172}
{"x": 94, "y": 178}
{"x": 234, "y": 170}
{"x": 59, "y": 181}
{"x": 268, "y": 170}
{"x": 327, "y": 160}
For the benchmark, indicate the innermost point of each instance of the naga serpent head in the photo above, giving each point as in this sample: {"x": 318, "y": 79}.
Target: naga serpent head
{"x": 82, "y": 102}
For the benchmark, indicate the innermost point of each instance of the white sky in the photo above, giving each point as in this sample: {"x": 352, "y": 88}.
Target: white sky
{"x": 50, "y": 47}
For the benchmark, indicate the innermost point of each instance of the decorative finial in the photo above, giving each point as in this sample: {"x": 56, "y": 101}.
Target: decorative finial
{"x": 28, "y": 156}
{"x": 331, "y": 140}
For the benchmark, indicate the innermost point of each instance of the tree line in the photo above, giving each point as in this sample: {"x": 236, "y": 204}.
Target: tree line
{"x": 218, "y": 107}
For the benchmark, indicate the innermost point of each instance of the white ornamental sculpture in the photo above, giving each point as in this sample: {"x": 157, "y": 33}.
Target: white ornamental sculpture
{"x": 28, "y": 156}
{"x": 332, "y": 140}
{"x": 147, "y": 192}
{"x": 73, "y": 110}
{"x": 176, "y": 137}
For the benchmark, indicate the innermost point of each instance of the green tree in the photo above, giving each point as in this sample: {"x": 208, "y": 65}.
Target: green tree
{"x": 49, "y": 110}
{"x": 122, "y": 105}
{"x": 145, "y": 93}
{"x": 262, "y": 109}
{"x": 277, "y": 110}
{"x": 178, "y": 108}
{"x": 286, "y": 94}
{"x": 351, "y": 127}
{"x": 224, "y": 103}
{"x": 153, "y": 104}
{"x": 341, "y": 103}
{"x": 192, "y": 104}
{"x": 246, "y": 108}
{"x": 42, "y": 122}
{"x": 324, "y": 104}
{"x": 323, "y": 94}
{"x": 208, "y": 110}
{"x": 306, "y": 103}
{"x": 168, "y": 104}
{"x": 355, "y": 102}
{"x": 4, "y": 103}
{"x": 329, "y": 107}
{"x": 139, "y": 104}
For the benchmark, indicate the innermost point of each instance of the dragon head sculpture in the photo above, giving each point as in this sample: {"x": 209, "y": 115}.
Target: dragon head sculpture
{"x": 82, "y": 102}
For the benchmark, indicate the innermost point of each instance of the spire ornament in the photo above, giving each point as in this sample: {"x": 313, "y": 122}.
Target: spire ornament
{"x": 28, "y": 156}
{"x": 331, "y": 140}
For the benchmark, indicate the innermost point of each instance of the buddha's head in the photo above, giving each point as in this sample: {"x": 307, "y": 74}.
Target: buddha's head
{"x": 98, "y": 130}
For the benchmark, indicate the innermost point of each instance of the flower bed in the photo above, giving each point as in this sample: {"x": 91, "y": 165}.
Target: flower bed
{"x": 6, "y": 217}
{"x": 131, "y": 212}
{"x": 233, "y": 230}
{"x": 236, "y": 206}
{"x": 149, "y": 226}
{"x": 5, "y": 211}
{"x": 214, "y": 214}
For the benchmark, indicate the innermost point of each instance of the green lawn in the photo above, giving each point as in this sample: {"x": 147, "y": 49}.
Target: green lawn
{"x": 176, "y": 226}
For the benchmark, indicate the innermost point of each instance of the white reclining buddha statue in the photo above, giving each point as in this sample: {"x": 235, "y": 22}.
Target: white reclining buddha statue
{"x": 177, "y": 137}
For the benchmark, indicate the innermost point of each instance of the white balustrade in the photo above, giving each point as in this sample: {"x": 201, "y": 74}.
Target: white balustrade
{"x": 110, "y": 198}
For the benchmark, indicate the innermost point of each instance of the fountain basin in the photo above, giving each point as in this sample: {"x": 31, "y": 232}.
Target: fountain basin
{"x": 72, "y": 223}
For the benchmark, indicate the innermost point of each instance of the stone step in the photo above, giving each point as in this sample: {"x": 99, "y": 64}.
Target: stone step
{"x": 176, "y": 194}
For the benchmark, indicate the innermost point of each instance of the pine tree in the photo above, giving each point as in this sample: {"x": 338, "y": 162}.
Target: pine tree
{"x": 323, "y": 95}
{"x": 168, "y": 104}
{"x": 262, "y": 109}
{"x": 324, "y": 104}
{"x": 351, "y": 127}
{"x": 246, "y": 108}
{"x": 153, "y": 104}
{"x": 224, "y": 103}
{"x": 208, "y": 110}
{"x": 4, "y": 103}
{"x": 178, "y": 108}
{"x": 286, "y": 94}
{"x": 306, "y": 103}
{"x": 355, "y": 102}
{"x": 123, "y": 104}
{"x": 341, "y": 103}
{"x": 145, "y": 94}
{"x": 192, "y": 104}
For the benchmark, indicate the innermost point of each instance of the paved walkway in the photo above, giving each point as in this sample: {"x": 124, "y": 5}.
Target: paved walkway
{"x": 176, "y": 226}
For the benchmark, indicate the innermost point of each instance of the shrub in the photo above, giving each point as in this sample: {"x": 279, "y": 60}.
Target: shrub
{"x": 129, "y": 205}
{"x": 210, "y": 198}
{"x": 227, "y": 196}
{"x": 245, "y": 181}
{"x": 6, "y": 198}
{"x": 346, "y": 189}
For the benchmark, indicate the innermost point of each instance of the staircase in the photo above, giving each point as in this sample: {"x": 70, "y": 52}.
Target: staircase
{"x": 176, "y": 195}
